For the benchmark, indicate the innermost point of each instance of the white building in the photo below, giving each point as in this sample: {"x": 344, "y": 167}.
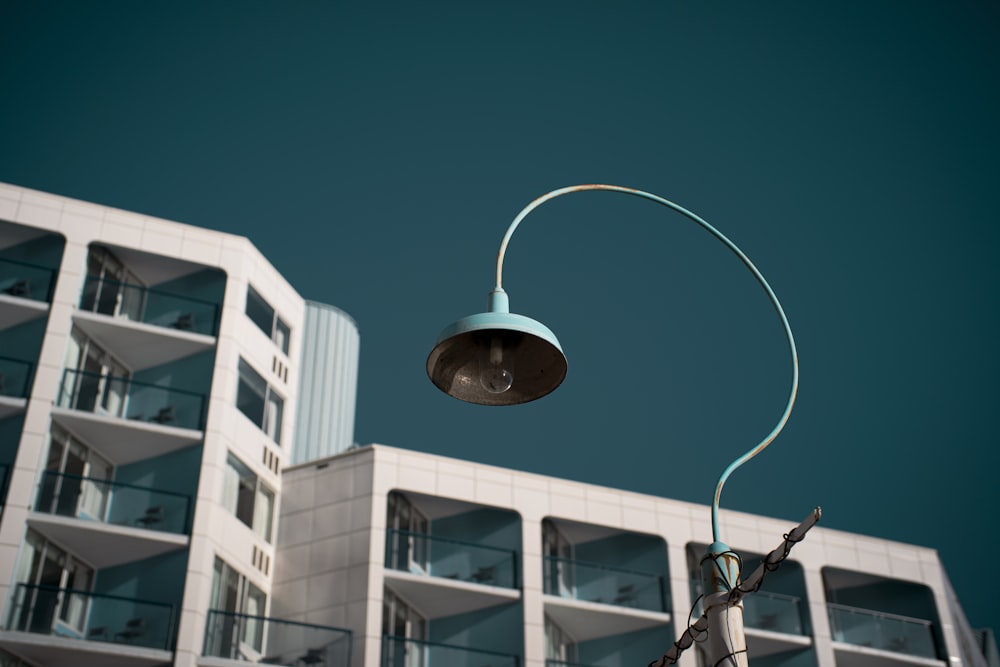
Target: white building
{"x": 149, "y": 376}
{"x": 436, "y": 561}
{"x": 178, "y": 487}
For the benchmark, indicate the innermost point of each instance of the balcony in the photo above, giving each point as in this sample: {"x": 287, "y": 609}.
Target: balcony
{"x": 146, "y": 305}
{"x": 401, "y": 652}
{"x": 145, "y": 327}
{"x": 773, "y": 612}
{"x": 269, "y": 641}
{"x": 24, "y": 280}
{"x": 114, "y": 503}
{"x": 592, "y": 600}
{"x": 141, "y": 346}
{"x": 604, "y": 584}
{"x": 88, "y": 629}
{"x": 108, "y": 523}
{"x": 773, "y": 621}
{"x": 912, "y": 638}
{"x": 420, "y": 566}
{"x": 126, "y": 420}
{"x": 123, "y": 397}
{"x": 763, "y": 610}
{"x": 456, "y": 560}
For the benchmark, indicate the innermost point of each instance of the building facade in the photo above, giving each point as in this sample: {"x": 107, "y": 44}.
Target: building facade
{"x": 435, "y": 561}
{"x": 149, "y": 376}
{"x": 178, "y": 486}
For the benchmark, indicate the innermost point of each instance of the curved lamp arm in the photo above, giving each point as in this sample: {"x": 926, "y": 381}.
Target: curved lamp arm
{"x": 739, "y": 461}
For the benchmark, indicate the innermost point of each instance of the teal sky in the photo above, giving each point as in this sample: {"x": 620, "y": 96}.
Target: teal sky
{"x": 375, "y": 153}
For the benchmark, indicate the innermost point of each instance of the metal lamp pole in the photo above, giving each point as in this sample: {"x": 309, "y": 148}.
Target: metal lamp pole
{"x": 501, "y": 358}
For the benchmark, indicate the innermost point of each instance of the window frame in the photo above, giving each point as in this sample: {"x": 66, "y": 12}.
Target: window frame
{"x": 245, "y": 503}
{"x": 272, "y": 406}
{"x": 231, "y": 592}
{"x": 277, "y": 329}
{"x": 35, "y": 565}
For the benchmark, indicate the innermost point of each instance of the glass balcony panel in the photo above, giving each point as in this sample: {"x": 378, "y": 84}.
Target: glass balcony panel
{"x": 113, "y": 502}
{"x": 118, "y": 396}
{"x": 149, "y": 306}
{"x": 65, "y": 612}
{"x": 15, "y": 377}
{"x": 773, "y": 612}
{"x": 272, "y": 641}
{"x": 402, "y": 652}
{"x": 889, "y": 632}
{"x": 451, "y": 559}
{"x": 763, "y": 610}
{"x": 593, "y": 582}
{"x": 25, "y": 280}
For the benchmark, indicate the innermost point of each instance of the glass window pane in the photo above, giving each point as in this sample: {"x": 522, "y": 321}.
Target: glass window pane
{"x": 244, "y": 501}
{"x": 254, "y": 606}
{"x": 230, "y": 486}
{"x": 281, "y": 335}
{"x": 215, "y": 601}
{"x": 263, "y": 513}
{"x": 231, "y": 589}
{"x": 240, "y": 489}
{"x": 272, "y": 421}
{"x": 250, "y": 394}
{"x": 259, "y": 311}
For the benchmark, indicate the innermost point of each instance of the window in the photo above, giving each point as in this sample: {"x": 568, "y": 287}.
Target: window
{"x": 259, "y": 402}
{"x": 248, "y": 498}
{"x": 559, "y": 646}
{"x": 558, "y": 553}
{"x": 407, "y": 550}
{"x": 47, "y": 573}
{"x": 94, "y": 381}
{"x": 401, "y": 620}
{"x": 233, "y": 593}
{"x": 405, "y": 630}
{"x": 111, "y": 288}
{"x": 262, "y": 314}
{"x": 75, "y": 479}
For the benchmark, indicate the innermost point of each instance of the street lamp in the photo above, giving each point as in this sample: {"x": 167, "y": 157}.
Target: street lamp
{"x": 501, "y": 358}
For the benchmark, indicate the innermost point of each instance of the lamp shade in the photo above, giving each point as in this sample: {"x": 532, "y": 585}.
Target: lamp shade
{"x": 472, "y": 349}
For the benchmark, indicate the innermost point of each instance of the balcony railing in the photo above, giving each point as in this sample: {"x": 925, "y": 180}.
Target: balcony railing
{"x": 272, "y": 641}
{"x": 15, "y": 377}
{"x": 114, "y": 502}
{"x": 65, "y": 612}
{"x": 139, "y": 303}
{"x": 402, "y": 652}
{"x": 889, "y": 632}
{"x": 451, "y": 559}
{"x": 119, "y": 396}
{"x": 774, "y": 612}
{"x": 604, "y": 584}
{"x": 765, "y": 611}
{"x": 25, "y": 280}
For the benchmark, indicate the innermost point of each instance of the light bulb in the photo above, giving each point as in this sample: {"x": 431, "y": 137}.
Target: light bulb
{"x": 495, "y": 375}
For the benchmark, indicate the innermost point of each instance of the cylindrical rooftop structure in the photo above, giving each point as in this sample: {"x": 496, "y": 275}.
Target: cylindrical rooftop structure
{"x": 328, "y": 383}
